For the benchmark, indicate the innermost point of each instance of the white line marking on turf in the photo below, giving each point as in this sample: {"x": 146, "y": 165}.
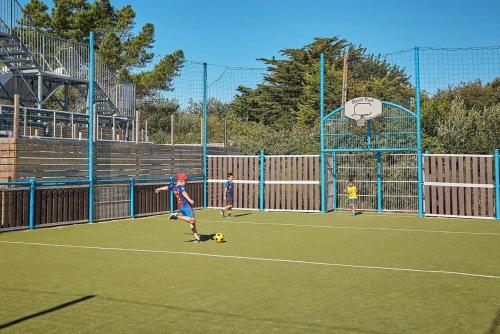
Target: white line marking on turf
{"x": 453, "y": 273}
{"x": 352, "y": 227}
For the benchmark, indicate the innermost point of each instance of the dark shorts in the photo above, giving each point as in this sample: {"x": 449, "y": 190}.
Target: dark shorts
{"x": 352, "y": 202}
{"x": 229, "y": 200}
{"x": 188, "y": 212}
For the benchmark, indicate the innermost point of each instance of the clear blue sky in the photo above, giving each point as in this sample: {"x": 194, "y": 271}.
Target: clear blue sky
{"x": 237, "y": 32}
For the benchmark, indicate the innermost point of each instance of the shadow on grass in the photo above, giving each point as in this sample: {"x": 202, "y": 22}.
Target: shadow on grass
{"x": 311, "y": 326}
{"x": 47, "y": 311}
{"x": 203, "y": 237}
{"x": 495, "y": 324}
{"x": 242, "y": 214}
{"x": 287, "y": 323}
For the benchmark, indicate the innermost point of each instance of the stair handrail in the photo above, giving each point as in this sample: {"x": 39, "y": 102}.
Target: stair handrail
{"x": 21, "y": 22}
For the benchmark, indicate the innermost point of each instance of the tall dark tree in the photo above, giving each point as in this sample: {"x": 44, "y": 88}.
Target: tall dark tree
{"x": 289, "y": 95}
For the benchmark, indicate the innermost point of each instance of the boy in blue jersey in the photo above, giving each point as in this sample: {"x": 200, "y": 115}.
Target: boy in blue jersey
{"x": 228, "y": 196}
{"x": 184, "y": 203}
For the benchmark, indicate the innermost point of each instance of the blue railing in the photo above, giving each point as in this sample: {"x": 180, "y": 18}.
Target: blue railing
{"x": 140, "y": 188}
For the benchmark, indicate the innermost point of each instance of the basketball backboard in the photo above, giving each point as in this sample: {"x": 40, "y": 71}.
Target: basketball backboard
{"x": 362, "y": 109}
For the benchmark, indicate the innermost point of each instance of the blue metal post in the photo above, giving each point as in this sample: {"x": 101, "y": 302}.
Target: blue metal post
{"x": 132, "y": 197}
{"x": 261, "y": 181}
{"x": 379, "y": 182}
{"x": 32, "y": 204}
{"x": 322, "y": 134}
{"x": 171, "y": 196}
{"x": 419, "y": 136}
{"x": 334, "y": 180}
{"x": 205, "y": 101}
{"x": 91, "y": 127}
{"x": 369, "y": 134}
{"x": 497, "y": 183}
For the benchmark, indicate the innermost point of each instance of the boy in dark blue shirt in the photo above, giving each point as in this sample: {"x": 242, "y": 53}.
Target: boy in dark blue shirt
{"x": 228, "y": 196}
{"x": 184, "y": 203}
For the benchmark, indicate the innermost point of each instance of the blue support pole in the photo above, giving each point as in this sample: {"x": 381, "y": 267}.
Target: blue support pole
{"x": 91, "y": 127}
{"x": 261, "y": 181}
{"x": 132, "y": 197}
{"x": 497, "y": 183}
{"x": 322, "y": 133}
{"x": 205, "y": 105}
{"x": 419, "y": 135}
{"x": 171, "y": 195}
{"x": 334, "y": 180}
{"x": 379, "y": 182}
{"x": 32, "y": 204}
{"x": 369, "y": 134}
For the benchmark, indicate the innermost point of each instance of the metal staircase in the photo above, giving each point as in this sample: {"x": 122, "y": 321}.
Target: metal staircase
{"x": 36, "y": 65}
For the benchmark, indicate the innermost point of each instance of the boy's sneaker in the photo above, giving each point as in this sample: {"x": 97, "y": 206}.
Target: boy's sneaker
{"x": 222, "y": 213}
{"x": 173, "y": 216}
{"x": 354, "y": 213}
{"x": 197, "y": 238}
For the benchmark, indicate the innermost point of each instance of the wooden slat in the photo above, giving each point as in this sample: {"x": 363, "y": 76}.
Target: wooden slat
{"x": 461, "y": 190}
{"x": 483, "y": 201}
{"x": 246, "y": 190}
{"x": 317, "y": 188}
{"x": 49, "y": 207}
{"x": 468, "y": 191}
{"x": 294, "y": 187}
{"x": 311, "y": 194}
{"x": 239, "y": 187}
{"x": 434, "y": 202}
{"x": 475, "y": 192}
{"x": 286, "y": 188}
{"x": 427, "y": 177}
{"x": 43, "y": 207}
{"x": 453, "y": 190}
{"x": 440, "y": 178}
{"x": 490, "y": 194}
{"x": 447, "y": 190}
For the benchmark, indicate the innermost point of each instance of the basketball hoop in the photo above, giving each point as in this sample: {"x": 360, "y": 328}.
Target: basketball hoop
{"x": 362, "y": 109}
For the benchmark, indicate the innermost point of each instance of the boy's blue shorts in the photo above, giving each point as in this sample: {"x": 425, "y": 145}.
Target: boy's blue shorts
{"x": 188, "y": 212}
{"x": 352, "y": 202}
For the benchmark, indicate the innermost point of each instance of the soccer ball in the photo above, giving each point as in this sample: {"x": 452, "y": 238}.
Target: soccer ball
{"x": 219, "y": 237}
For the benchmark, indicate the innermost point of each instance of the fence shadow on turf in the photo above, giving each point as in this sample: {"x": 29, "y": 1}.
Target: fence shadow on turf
{"x": 495, "y": 324}
{"x": 311, "y": 327}
{"x": 47, "y": 311}
{"x": 308, "y": 327}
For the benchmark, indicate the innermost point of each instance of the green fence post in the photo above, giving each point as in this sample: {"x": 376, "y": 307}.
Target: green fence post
{"x": 171, "y": 196}
{"x": 32, "y": 204}
{"x": 334, "y": 180}
{"x": 261, "y": 181}
{"x": 419, "y": 134}
{"x": 204, "y": 139}
{"x": 322, "y": 133}
{"x": 91, "y": 127}
{"x": 379, "y": 182}
{"x": 497, "y": 183}
{"x": 132, "y": 197}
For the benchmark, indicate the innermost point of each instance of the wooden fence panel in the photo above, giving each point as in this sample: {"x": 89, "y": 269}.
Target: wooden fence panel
{"x": 459, "y": 185}
{"x": 148, "y": 202}
{"x": 14, "y": 208}
{"x": 246, "y": 175}
{"x": 56, "y": 205}
{"x": 292, "y": 183}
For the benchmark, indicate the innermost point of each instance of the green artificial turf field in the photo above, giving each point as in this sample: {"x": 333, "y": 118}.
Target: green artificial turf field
{"x": 277, "y": 273}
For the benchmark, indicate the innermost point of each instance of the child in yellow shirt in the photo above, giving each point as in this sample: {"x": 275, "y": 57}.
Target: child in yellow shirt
{"x": 352, "y": 196}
